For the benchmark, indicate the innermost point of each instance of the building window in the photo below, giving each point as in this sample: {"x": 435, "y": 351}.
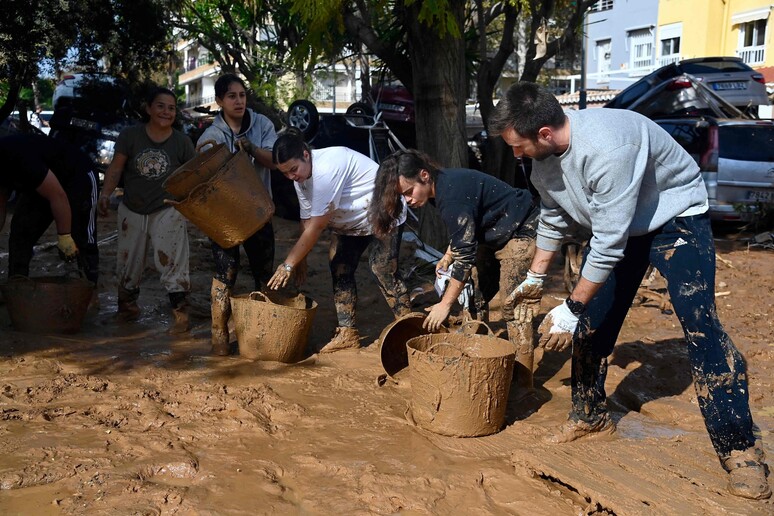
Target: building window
{"x": 640, "y": 48}
{"x": 752, "y": 41}
{"x": 670, "y": 51}
{"x": 601, "y": 5}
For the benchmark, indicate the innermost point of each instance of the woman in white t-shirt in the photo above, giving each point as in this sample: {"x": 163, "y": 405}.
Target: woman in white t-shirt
{"x": 334, "y": 188}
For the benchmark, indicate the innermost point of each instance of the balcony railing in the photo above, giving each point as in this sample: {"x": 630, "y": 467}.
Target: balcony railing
{"x": 752, "y": 55}
{"x": 665, "y": 60}
{"x": 199, "y": 101}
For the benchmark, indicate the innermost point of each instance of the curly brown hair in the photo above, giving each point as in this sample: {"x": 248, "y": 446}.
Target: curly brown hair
{"x": 386, "y": 205}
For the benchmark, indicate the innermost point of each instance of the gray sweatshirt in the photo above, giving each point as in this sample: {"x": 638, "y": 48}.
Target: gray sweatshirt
{"x": 621, "y": 176}
{"x": 260, "y": 132}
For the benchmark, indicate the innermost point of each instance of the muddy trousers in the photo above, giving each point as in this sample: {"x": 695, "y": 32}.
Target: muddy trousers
{"x": 683, "y": 251}
{"x": 344, "y": 255}
{"x": 166, "y": 232}
{"x": 259, "y": 249}
{"x": 502, "y": 271}
{"x": 33, "y": 216}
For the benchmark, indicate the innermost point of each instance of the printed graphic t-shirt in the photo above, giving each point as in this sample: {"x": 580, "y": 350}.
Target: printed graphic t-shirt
{"x": 149, "y": 164}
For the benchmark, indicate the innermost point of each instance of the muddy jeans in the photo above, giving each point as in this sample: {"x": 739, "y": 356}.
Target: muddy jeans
{"x": 344, "y": 255}
{"x": 259, "y": 249}
{"x": 32, "y": 216}
{"x": 502, "y": 270}
{"x": 683, "y": 251}
{"x": 166, "y": 231}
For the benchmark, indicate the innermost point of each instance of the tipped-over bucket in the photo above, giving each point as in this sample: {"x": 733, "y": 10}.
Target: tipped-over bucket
{"x": 232, "y": 205}
{"x": 271, "y": 327}
{"x": 394, "y": 337}
{"x": 49, "y": 304}
{"x": 460, "y": 382}
{"x": 197, "y": 170}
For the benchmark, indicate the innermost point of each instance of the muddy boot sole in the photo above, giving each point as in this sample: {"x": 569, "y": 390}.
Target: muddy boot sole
{"x": 572, "y": 430}
{"x": 345, "y": 338}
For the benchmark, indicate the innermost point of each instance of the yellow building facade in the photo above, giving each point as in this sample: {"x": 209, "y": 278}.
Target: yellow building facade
{"x": 703, "y": 28}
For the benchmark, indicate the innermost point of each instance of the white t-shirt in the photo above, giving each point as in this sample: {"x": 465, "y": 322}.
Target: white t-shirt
{"x": 342, "y": 182}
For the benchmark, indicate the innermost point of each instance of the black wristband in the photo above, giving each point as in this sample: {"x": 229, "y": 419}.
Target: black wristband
{"x": 576, "y": 307}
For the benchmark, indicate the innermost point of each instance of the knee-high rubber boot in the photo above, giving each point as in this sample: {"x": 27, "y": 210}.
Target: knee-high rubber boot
{"x": 220, "y": 295}
{"x": 181, "y": 318}
{"x": 127, "y": 304}
{"x": 522, "y": 336}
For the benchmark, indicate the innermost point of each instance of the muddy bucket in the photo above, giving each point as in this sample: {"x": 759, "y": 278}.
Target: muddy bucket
{"x": 49, "y": 304}
{"x": 271, "y": 327}
{"x": 199, "y": 169}
{"x": 460, "y": 383}
{"x": 231, "y": 206}
{"x": 393, "y": 339}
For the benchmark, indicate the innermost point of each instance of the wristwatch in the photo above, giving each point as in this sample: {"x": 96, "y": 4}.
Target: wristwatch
{"x": 288, "y": 267}
{"x": 576, "y": 307}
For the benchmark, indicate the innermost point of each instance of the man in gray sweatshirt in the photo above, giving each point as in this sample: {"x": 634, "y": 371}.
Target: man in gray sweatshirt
{"x": 641, "y": 195}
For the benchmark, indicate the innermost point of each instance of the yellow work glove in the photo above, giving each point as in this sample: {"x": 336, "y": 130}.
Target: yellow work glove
{"x": 67, "y": 248}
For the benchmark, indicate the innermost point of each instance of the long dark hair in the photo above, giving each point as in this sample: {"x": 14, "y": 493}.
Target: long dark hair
{"x": 290, "y": 144}
{"x": 386, "y": 205}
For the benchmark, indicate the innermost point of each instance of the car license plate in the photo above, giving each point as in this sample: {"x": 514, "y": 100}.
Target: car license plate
{"x": 760, "y": 196}
{"x": 84, "y": 124}
{"x": 729, "y": 85}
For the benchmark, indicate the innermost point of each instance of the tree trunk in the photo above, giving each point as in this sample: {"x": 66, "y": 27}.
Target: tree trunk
{"x": 438, "y": 66}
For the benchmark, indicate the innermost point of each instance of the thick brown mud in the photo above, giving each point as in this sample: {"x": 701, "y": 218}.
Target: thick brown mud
{"x": 123, "y": 418}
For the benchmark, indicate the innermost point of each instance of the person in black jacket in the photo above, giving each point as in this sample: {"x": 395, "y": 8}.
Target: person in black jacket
{"x": 53, "y": 182}
{"x": 491, "y": 226}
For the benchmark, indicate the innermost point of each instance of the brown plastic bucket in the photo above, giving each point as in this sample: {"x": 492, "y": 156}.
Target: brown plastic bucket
{"x": 232, "y": 205}
{"x": 199, "y": 169}
{"x": 393, "y": 339}
{"x": 460, "y": 383}
{"x": 49, "y": 304}
{"x": 271, "y": 327}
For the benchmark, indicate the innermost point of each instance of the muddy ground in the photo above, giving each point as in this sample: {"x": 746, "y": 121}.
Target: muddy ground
{"x": 123, "y": 418}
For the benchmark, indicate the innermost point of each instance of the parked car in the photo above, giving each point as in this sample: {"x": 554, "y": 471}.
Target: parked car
{"x": 90, "y": 110}
{"x": 736, "y": 158}
{"x": 76, "y": 85}
{"x": 729, "y": 77}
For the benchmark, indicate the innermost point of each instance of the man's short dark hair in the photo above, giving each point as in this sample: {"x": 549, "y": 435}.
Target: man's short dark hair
{"x": 526, "y": 107}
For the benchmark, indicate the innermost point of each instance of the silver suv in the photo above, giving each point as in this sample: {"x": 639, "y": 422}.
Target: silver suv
{"x": 736, "y": 157}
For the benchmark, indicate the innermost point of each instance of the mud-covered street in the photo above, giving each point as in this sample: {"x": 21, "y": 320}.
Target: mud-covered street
{"x": 124, "y": 418}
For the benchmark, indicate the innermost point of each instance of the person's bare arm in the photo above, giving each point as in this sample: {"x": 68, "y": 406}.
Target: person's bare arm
{"x": 52, "y": 190}
{"x": 112, "y": 176}
{"x": 312, "y": 228}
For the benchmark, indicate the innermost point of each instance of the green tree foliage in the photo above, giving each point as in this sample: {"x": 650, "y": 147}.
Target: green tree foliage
{"x": 251, "y": 37}
{"x": 125, "y": 37}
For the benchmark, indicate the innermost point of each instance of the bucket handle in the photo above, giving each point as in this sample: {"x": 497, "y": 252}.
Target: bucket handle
{"x": 196, "y": 188}
{"x": 478, "y": 323}
{"x": 18, "y": 278}
{"x": 205, "y": 142}
{"x": 257, "y": 295}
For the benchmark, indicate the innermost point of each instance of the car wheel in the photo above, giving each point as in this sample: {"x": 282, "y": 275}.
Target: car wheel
{"x": 360, "y": 108}
{"x": 304, "y": 116}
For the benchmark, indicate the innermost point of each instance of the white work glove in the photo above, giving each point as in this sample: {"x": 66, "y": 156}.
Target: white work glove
{"x": 524, "y": 301}
{"x": 67, "y": 248}
{"x": 557, "y": 328}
